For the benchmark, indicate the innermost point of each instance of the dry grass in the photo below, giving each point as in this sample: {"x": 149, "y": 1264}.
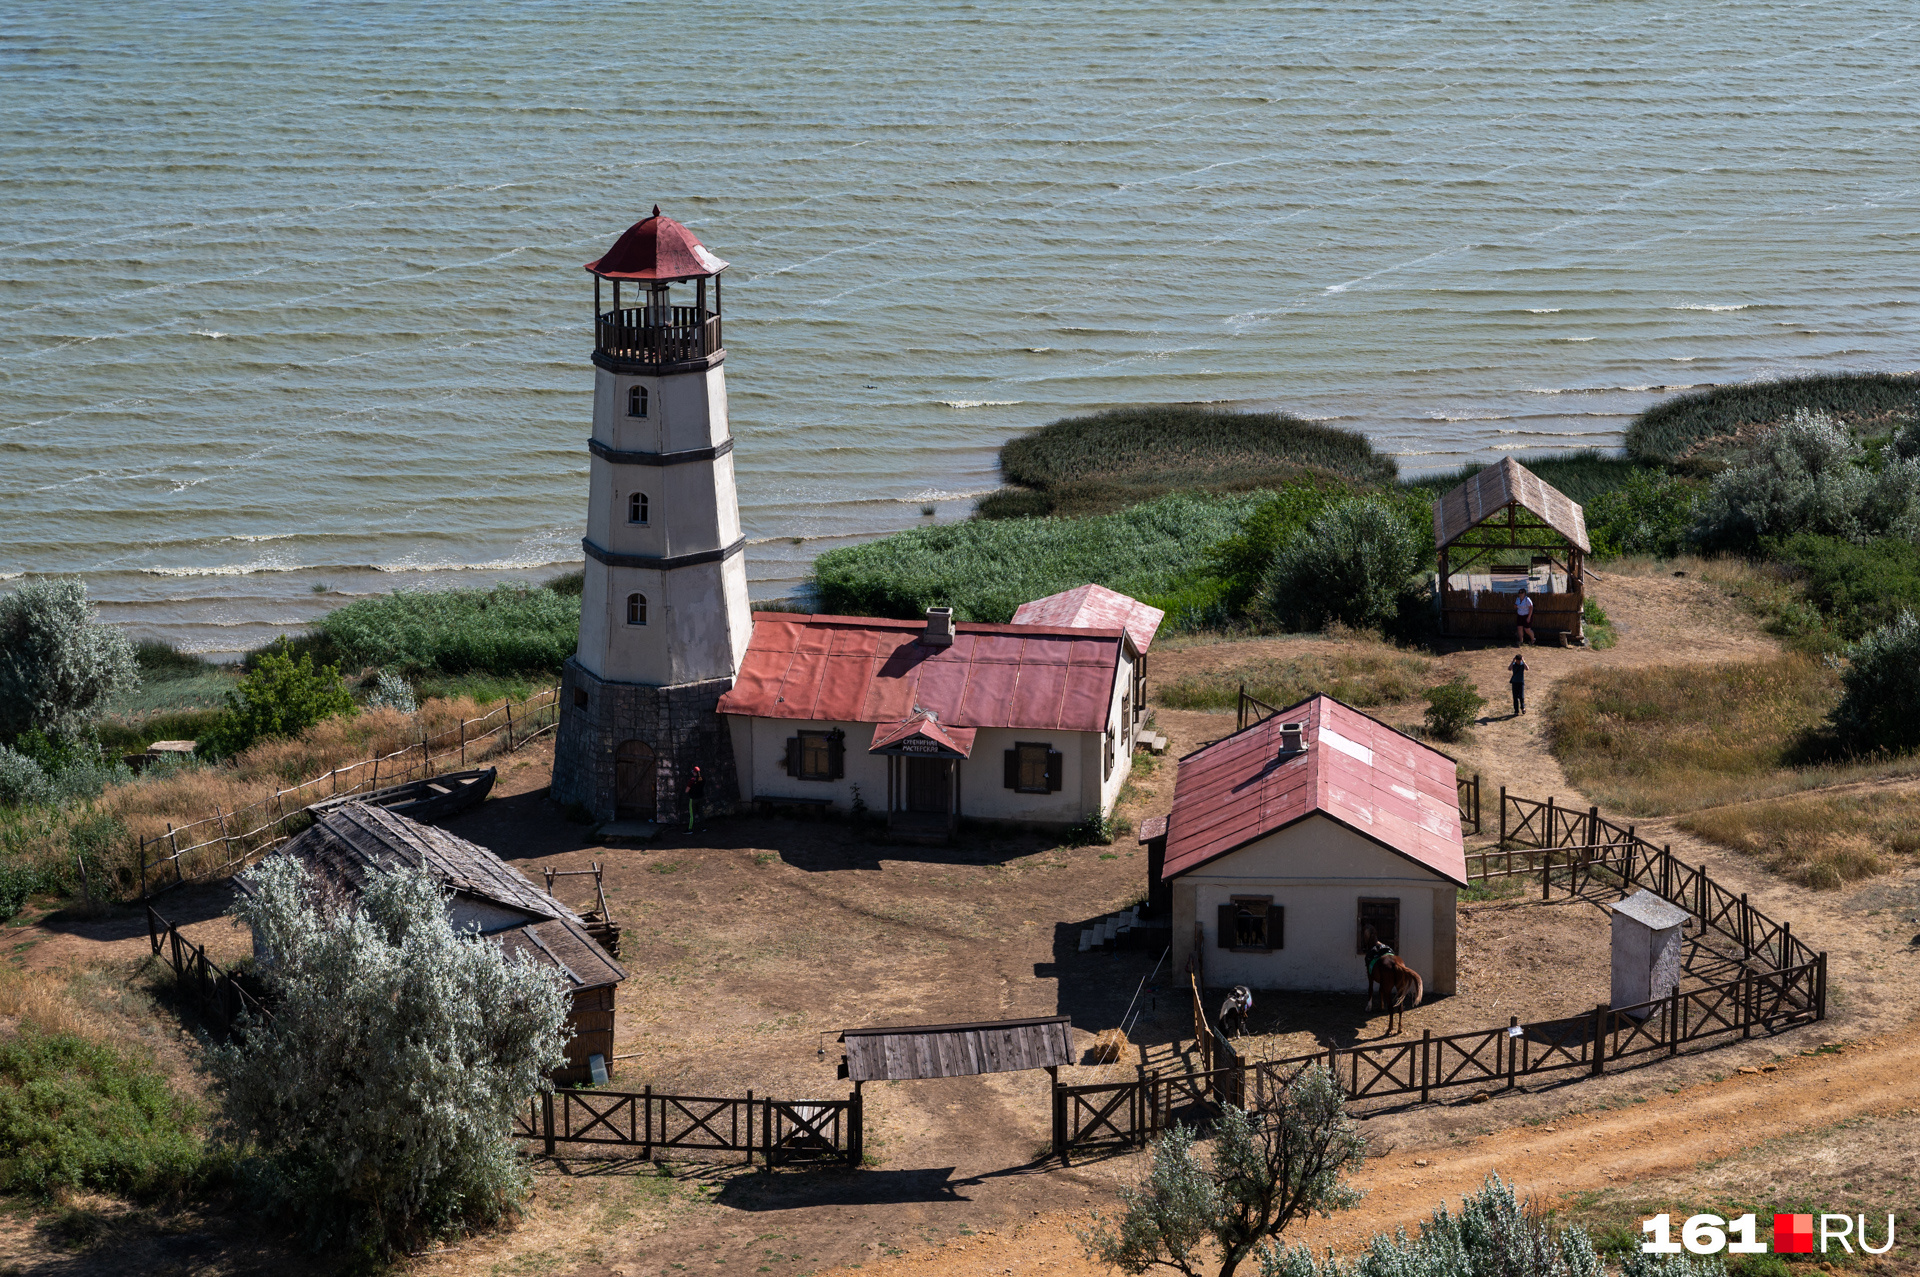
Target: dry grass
{"x": 1654, "y": 740}
{"x": 1362, "y": 675}
{"x": 1821, "y": 840}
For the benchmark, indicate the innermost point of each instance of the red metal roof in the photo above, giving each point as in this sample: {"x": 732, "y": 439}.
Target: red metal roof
{"x": 657, "y": 248}
{"x": 1354, "y": 769}
{"x": 863, "y": 669}
{"x": 1095, "y": 607}
{"x": 957, "y": 739}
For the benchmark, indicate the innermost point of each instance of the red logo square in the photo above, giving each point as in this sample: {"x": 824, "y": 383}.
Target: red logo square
{"x": 1793, "y": 1234}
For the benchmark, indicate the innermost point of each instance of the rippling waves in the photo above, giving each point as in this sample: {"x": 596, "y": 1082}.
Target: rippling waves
{"x": 291, "y": 298}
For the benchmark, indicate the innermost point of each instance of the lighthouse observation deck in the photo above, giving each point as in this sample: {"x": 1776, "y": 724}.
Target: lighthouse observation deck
{"x": 653, "y": 338}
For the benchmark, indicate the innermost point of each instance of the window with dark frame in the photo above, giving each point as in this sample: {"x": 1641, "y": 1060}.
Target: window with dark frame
{"x": 1384, "y": 917}
{"x": 637, "y": 508}
{"x": 816, "y": 756}
{"x": 579, "y": 698}
{"x": 636, "y": 609}
{"x": 636, "y": 401}
{"x": 1252, "y": 924}
{"x": 1034, "y": 767}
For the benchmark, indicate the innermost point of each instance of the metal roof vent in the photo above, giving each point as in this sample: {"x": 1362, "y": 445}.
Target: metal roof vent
{"x": 939, "y": 627}
{"x": 1292, "y": 739}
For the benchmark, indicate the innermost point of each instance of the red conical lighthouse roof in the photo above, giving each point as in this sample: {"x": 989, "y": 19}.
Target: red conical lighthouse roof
{"x": 658, "y": 248}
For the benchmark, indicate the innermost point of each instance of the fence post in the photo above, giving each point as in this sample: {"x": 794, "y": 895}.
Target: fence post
{"x": 1426, "y": 1062}
{"x": 1503, "y": 815}
{"x": 646, "y": 1123}
{"x": 173, "y": 846}
{"x": 546, "y": 1118}
{"x": 143, "y": 868}
{"x": 1600, "y": 1026}
{"x": 1786, "y": 947}
{"x": 226, "y": 843}
{"x": 1476, "y": 802}
{"x": 1673, "y": 1022}
{"x": 856, "y": 1130}
{"x": 463, "y": 744}
{"x": 1593, "y": 826}
{"x": 1553, "y": 828}
{"x": 1546, "y": 870}
{"x": 1820, "y": 986}
{"x": 509, "y": 725}
{"x": 1746, "y": 1003}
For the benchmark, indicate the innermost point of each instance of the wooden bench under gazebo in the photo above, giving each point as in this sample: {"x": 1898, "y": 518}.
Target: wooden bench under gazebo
{"x": 1503, "y": 531}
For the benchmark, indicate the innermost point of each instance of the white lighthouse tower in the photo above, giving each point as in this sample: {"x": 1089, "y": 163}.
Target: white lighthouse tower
{"x": 664, "y": 616}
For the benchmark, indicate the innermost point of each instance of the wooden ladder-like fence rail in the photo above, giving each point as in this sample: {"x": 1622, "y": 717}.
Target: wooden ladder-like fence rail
{"x": 777, "y": 1131}
{"x": 218, "y": 995}
{"x": 246, "y": 833}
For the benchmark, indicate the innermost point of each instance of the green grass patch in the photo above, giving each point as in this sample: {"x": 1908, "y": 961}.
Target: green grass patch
{"x": 172, "y": 682}
{"x": 985, "y": 569}
{"x": 1106, "y": 461}
{"x": 78, "y": 1114}
{"x": 1856, "y": 588}
{"x": 1698, "y": 431}
{"x": 1363, "y": 677}
{"x": 505, "y": 630}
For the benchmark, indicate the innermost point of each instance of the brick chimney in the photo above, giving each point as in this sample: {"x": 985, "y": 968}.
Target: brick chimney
{"x": 939, "y": 627}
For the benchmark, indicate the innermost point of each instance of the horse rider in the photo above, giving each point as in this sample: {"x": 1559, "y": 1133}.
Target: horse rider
{"x": 1376, "y": 950}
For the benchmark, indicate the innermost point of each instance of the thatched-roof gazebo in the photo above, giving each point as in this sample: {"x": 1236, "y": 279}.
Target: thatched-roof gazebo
{"x": 1500, "y": 532}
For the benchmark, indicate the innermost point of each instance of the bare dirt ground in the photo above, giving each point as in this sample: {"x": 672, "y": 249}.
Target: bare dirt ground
{"x": 749, "y": 943}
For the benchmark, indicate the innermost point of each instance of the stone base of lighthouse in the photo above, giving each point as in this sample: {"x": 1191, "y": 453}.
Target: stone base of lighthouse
{"x": 624, "y": 750}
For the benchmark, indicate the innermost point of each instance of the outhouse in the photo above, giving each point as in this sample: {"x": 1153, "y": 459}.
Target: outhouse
{"x": 1646, "y": 950}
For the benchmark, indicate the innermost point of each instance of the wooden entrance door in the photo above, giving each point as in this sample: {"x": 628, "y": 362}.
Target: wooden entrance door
{"x": 634, "y": 768}
{"x": 928, "y": 787}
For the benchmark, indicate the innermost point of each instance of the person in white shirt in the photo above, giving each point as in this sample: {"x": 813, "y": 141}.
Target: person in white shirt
{"x": 1523, "y": 609}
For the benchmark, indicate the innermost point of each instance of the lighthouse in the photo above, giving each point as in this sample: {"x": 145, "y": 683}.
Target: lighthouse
{"x": 664, "y": 617}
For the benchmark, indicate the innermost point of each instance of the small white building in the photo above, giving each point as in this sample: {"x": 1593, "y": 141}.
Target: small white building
{"x": 1289, "y": 838}
{"x": 930, "y": 720}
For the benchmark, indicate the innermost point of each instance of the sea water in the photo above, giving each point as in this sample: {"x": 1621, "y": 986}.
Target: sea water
{"x": 291, "y": 307}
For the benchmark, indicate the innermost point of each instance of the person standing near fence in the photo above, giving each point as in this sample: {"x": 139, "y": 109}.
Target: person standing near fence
{"x": 696, "y": 791}
{"x": 1523, "y": 619}
{"x": 1517, "y": 675}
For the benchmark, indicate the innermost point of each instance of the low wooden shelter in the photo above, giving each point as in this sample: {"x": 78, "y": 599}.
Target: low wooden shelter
{"x": 1503, "y": 531}
{"x": 898, "y": 1053}
{"x": 346, "y": 844}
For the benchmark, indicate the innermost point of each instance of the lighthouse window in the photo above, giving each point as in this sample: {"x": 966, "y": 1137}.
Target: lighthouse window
{"x": 636, "y": 609}
{"x": 636, "y": 401}
{"x": 637, "y": 508}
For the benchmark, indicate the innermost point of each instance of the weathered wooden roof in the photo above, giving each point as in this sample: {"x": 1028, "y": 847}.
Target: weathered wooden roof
{"x": 1507, "y": 482}
{"x": 346, "y": 844}
{"x": 896, "y": 1053}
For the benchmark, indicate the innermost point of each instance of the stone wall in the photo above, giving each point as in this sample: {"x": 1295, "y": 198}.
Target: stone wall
{"x": 679, "y": 722}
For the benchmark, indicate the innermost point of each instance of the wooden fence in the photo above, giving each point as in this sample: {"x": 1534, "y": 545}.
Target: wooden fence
{"x": 1467, "y": 795}
{"x": 228, "y": 840}
{"x": 778, "y": 1131}
{"x": 1546, "y": 840}
{"x": 218, "y": 995}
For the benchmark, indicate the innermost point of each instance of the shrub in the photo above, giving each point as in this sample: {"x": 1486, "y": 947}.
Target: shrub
{"x": 1804, "y": 475}
{"x": 1287, "y": 1162}
{"x": 1880, "y": 706}
{"x": 375, "y": 1107}
{"x": 282, "y": 697}
{"x": 22, "y": 780}
{"x": 985, "y": 569}
{"x": 161, "y": 661}
{"x": 1904, "y": 445}
{"x": 1106, "y": 460}
{"x": 390, "y": 691}
{"x": 1350, "y": 565}
{"x": 1856, "y": 587}
{"x": 1452, "y": 708}
{"x": 1494, "y": 1233}
{"x": 571, "y": 584}
{"x": 508, "y": 629}
{"x": 76, "y": 1114}
{"x": 1688, "y": 427}
{"x": 59, "y": 667}
{"x": 1650, "y": 513}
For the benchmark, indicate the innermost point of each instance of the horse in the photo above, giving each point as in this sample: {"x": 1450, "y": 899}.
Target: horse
{"x": 1399, "y": 985}
{"x": 1234, "y": 1012}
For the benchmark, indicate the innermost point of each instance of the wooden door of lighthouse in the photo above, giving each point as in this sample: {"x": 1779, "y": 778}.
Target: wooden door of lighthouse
{"x": 634, "y": 786}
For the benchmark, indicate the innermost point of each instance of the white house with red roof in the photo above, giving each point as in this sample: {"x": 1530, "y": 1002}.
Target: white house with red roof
{"x": 1032, "y": 722}
{"x": 1286, "y": 840}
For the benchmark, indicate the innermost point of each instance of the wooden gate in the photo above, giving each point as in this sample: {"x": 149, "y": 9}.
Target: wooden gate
{"x": 634, "y": 786}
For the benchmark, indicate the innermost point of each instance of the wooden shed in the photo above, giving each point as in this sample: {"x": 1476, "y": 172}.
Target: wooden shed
{"x": 1503, "y": 531}
{"x": 897, "y": 1053}
{"x": 347, "y": 843}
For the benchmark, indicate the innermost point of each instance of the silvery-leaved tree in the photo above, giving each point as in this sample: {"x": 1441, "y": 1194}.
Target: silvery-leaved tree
{"x": 59, "y": 667}
{"x": 1268, "y": 1168}
{"x": 376, "y": 1106}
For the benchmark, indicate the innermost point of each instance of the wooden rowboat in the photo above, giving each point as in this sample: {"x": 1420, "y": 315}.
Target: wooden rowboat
{"x": 434, "y": 798}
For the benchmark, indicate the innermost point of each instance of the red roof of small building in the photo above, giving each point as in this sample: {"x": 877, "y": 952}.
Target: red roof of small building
{"x": 1095, "y": 607}
{"x": 864, "y": 669}
{"x": 957, "y": 739}
{"x": 657, "y": 248}
{"x": 1354, "y": 769}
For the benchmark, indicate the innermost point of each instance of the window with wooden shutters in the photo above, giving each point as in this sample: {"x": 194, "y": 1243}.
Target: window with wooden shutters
{"x": 836, "y": 756}
{"x": 1384, "y": 917}
{"x": 793, "y": 756}
{"x": 818, "y": 757}
{"x": 1028, "y": 768}
{"x": 1251, "y": 924}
